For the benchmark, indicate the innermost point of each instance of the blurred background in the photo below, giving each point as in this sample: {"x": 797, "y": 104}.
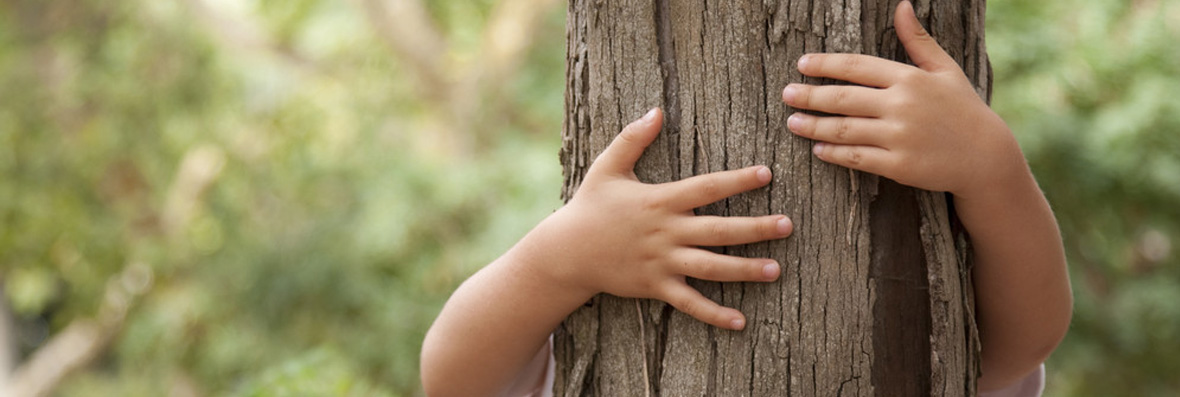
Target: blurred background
{"x": 275, "y": 197}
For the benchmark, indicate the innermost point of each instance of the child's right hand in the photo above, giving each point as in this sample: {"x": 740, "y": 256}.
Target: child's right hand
{"x": 627, "y": 238}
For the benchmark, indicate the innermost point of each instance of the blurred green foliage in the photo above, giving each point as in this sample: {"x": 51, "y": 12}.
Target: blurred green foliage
{"x": 1090, "y": 89}
{"x": 326, "y": 244}
{"x": 339, "y": 214}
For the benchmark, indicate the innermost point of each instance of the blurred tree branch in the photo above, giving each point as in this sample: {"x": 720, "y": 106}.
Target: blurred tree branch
{"x": 84, "y": 339}
{"x": 458, "y": 93}
{"x": 8, "y": 346}
{"x": 409, "y": 32}
{"x": 245, "y": 36}
{"x": 509, "y": 34}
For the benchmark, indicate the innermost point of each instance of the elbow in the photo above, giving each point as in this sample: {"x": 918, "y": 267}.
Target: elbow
{"x": 1016, "y": 356}
{"x": 426, "y": 373}
{"x": 439, "y": 374}
{"x": 1059, "y": 315}
{"x": 430, "y": 374}
{"x": 434, "y": 383}
{"x": 1053, "y": 335}
{"x": 432, "y": 387}
{"x": 1058, "y": 330}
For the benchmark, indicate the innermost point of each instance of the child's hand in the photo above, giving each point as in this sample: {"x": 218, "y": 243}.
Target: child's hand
{"x": 922, "y": 126}
{"x": 627, "y": 238}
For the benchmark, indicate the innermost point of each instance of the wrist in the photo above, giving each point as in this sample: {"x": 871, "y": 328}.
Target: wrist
{"x": 547, "y": 257}
{"x": 1000, "y": 167}
{"x": 1004, "y": 190}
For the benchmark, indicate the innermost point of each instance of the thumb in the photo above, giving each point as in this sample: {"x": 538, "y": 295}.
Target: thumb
{"x": 923, "y": 49}
{"x": 628, "y": 146}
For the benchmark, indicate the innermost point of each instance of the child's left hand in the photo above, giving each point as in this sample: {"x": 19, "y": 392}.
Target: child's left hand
{"x": 926, "y": 127}
{"x": 922, "y": 126}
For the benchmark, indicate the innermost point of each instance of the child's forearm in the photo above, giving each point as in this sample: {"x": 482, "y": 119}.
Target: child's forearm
{"x": 1023, "y": 297}
{"x": 495, "y": 323}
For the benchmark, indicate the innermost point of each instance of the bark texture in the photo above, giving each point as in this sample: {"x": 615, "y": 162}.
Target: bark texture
{"x": 874, "y": 297}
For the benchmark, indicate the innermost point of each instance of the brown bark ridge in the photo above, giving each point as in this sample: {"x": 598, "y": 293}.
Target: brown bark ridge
{"x": 875, "y": 295}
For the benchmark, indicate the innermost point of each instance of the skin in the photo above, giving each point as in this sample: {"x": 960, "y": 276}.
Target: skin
{"x": 505, "y": 312}
{"x": 490, "y": 338}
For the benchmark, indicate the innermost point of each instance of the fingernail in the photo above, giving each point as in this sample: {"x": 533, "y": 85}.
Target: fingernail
{"x": 763, "y": 174}
{"x": 770, "y": 271}
{"x": 795, "y": 122}
{"x": 803, "y": 61}
{"x": 818, "y": 149}
{"x": 651, "y": 115}
{"x": 789, "y": 94}
{"x": 737, "y": 324}
{"x": 784, "y": 226}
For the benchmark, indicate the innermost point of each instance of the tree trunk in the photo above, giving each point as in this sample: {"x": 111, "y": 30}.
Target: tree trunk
{"x": 875, "y": 296}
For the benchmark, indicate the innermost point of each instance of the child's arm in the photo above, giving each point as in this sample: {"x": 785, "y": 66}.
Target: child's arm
{"x": 617, "y": 235}
{"x": 926, "y": 127}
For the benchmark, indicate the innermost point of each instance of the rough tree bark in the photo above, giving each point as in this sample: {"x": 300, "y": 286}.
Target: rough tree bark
{"x": 875, "y": 296}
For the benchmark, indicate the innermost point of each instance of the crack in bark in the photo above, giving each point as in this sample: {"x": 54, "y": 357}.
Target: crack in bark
{"x": 671, "y": 80}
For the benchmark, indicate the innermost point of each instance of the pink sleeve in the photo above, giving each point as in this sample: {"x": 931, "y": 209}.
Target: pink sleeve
{"x": 536, "y": 380}
{"x": 1031, "y": 386}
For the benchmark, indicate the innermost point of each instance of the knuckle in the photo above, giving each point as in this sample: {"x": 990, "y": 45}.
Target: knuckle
{"x": 903, "y": 102}
{"x": 645, "y": 285}
{"x": 839, "y": 96}
{"x": 769, "y": 227}
{"x": 706, "y": 271}
{"x": 922, "y": 34}
{"x": 654, "y": 231}
{"x": 663, "y": 290}
{"x": 849, "y": 64}
{"x": 891, "y": 163}
{"x": 628, "y": 136}
{"x": 854, "y": 156}
{"x": 710, "y": 187}
{"x": 911, "y": 76}
{"x": 717, "y": 230}
{"x": 688, "y": 305}
{"x": 599, "y": 162}
{"x": 842, "y": 126}
{"x": 898, "y": 131}
{"x": 894, "y": 127}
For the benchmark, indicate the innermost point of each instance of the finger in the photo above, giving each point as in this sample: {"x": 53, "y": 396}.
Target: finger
{"x": 705, "y": 265}
{"x": 842, "y": 130}
{"x": 922, "y": 49}
{"x": 837, "y": 99}
{"x": 864, "y": 158}
{"x": 720, "y": 231}
{"x": 853, "y": 68}
{"x": 628, "y": 146}
{"x": 700, "y": 190}
{"x": 691, "y": 302}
